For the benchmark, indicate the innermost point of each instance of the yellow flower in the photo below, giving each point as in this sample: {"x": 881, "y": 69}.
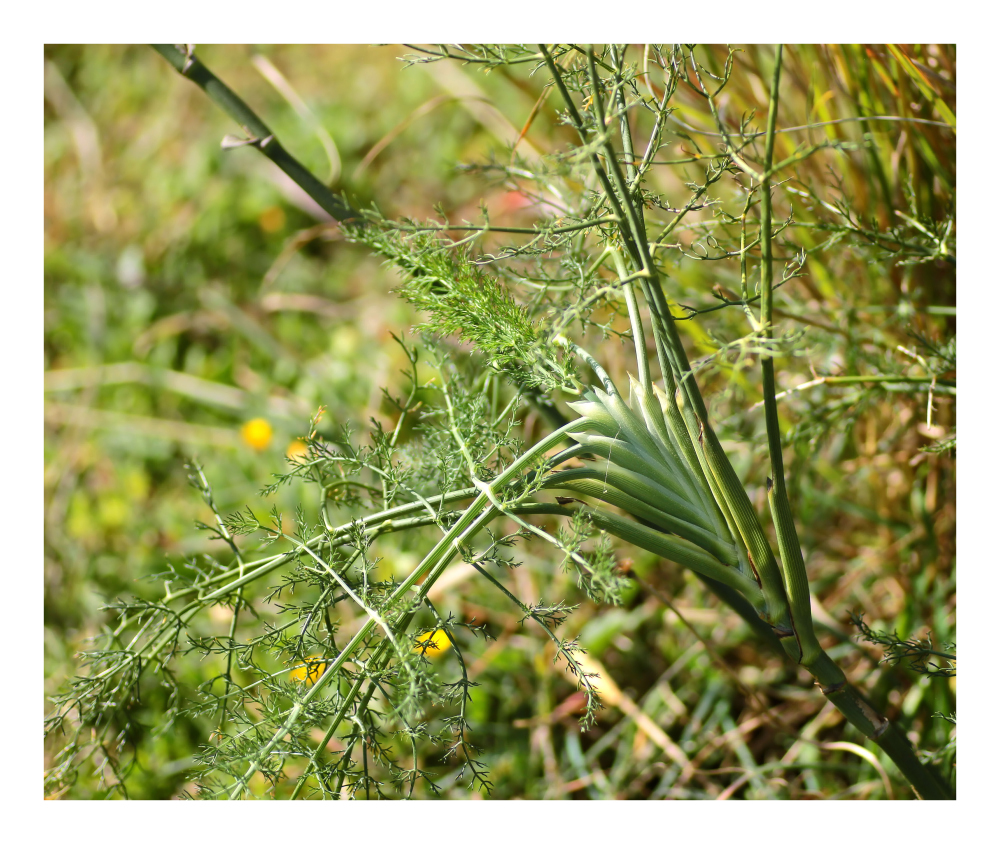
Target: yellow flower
{"x": 439, "y": 643}
{"x": 257, "y": 433}
{"x": 272, "y": 219}
{"x": 297, "y": 450}
{"x": 309, "y": 671}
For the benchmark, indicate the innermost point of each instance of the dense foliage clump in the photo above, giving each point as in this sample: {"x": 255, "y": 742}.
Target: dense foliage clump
{"x": 690, "y": 359}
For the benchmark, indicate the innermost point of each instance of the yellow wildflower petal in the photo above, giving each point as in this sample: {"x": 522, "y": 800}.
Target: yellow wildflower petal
{"x": 297, "y": 450}
{"x": 272, "y": 219}
{"x": 257, "y": 433}
{"x": 309, "y": 671}
{"x": 439, "y": 643}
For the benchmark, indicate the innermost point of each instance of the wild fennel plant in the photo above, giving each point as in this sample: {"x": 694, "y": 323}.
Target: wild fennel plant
{"x": 647, "y": 458}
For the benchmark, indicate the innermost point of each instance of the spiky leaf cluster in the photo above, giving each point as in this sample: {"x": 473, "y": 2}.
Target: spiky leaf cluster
{"x": 461, "y": 300}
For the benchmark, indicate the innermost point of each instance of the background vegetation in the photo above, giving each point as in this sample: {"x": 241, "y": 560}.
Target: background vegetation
{"x": 189, "y": 291}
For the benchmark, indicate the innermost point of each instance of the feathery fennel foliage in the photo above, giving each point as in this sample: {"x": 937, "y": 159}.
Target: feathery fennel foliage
{"x": 327, "y": 685}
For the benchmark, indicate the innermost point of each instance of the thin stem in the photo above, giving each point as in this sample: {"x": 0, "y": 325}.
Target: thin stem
{"x": 258, "y": 134}
{"x": 794, "y": 569}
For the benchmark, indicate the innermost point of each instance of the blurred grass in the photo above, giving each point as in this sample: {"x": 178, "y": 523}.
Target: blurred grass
{"x": 189, "y": 290}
